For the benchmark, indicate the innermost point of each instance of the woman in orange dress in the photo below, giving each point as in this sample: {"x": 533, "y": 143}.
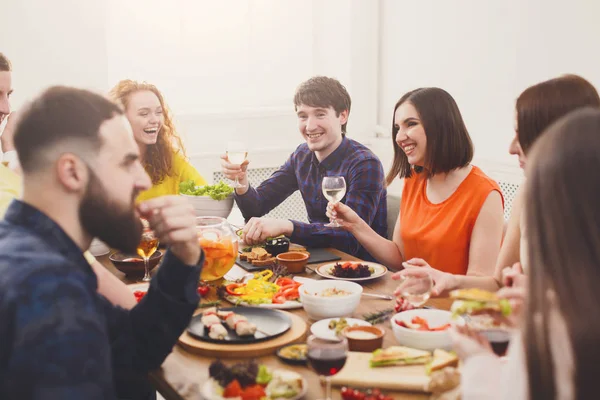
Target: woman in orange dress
{"x": 451, "y": 213}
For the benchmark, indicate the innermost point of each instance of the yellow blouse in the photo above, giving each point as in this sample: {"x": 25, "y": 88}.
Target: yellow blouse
{"x": 10, "y": 188}
{"x": 183, "y": 171}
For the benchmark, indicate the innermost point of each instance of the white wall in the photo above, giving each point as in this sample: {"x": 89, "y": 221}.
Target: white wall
{"x": 229, "y": 68}
{"x": 484, "y": 53}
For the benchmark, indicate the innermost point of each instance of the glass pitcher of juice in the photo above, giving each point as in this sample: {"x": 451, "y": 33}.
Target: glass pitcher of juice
{"x": 220, "y": 245}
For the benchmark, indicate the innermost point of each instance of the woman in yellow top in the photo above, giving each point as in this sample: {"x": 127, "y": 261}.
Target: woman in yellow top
{"x": 161, "y": 149}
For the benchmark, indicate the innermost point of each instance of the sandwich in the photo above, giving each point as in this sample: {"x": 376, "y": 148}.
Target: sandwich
{"x": 441, "y": 359}
{"x": 399, "y": 355}
{"x": 478, "y": 301}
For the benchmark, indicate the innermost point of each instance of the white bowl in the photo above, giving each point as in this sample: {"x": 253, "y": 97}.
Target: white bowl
{"x": 205, "y": 206}
{"x": 423, "y": 340}
{"x": 318, "y": 307}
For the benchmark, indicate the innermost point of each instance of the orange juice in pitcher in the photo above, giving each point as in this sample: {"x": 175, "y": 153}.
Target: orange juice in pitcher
{"x": 220, "y": 245}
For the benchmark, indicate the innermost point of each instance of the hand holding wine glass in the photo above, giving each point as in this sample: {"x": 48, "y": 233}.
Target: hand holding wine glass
{"x": 147, "y": 247}
{"x": 415, "y": 286}
{"x": 327, "y": 358}
{"x": 334, "y": 190}
{"x": 236, "y": 155}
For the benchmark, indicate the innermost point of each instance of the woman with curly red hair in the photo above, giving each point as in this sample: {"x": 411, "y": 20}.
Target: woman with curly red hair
{"x": 161, "y": 149}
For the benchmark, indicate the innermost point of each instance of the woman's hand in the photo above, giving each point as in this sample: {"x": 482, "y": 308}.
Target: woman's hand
{"x": 345, "y": 216}
{"x": 468, "y": 343}
{"x": 442, "y": 281}
{"x": 514, "y": 276}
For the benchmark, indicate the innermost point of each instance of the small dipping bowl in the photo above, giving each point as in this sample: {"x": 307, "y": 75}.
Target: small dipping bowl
{"x": 294, "y": 261}
{"x": 277, "y": 246}
{"x": 365, "y": 339}
{"x": 133, "y": 265}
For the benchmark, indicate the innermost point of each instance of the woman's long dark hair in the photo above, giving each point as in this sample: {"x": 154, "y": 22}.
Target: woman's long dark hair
{"x": 563, "y": 232}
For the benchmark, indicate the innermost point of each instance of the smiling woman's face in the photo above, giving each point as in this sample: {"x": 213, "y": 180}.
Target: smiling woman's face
{"x": 145, "y": 115}
{"x": 411, "y": 135}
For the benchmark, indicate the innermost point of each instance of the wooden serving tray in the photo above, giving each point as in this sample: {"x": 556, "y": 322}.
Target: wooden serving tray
{"x": 357, "y": 372}
{"x": 296, "y": 332}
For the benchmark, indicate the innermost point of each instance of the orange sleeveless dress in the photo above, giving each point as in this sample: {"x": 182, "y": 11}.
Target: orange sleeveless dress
{"x": 441, "y": 233}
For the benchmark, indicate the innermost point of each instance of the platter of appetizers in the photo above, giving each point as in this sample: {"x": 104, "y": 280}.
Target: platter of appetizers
{"x": 238, "y": 325}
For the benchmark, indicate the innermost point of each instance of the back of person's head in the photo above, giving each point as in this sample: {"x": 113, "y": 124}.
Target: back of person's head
{"x": 5, "y": 64}
{"x": 158, "y": 159}
{"x": 542, "y": 104}
{"x": 325, "y": 92}
{"x": 61, "y": 119}
{"x": 449, "y": 145}
{"x": 562, "y": 223}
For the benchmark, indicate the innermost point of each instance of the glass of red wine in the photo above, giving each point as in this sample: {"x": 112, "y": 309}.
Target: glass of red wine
{"x": 499, "y": 340}
{"x": 327, "y": 357}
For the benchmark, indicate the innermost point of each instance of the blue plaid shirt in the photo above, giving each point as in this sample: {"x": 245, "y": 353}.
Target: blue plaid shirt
{"x": 59, "y": 339}
{"x": 365, "y": 194}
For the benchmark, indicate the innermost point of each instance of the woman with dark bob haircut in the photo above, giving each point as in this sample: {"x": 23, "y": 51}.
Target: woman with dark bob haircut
{"x": 537, "y": 108}
{"x": 451, "y": 214}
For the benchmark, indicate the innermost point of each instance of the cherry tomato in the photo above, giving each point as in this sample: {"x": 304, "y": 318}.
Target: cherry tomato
{"x": 346, "y": 393}
{"x": 203, "y": 290}
{"x": 358, "y": 395}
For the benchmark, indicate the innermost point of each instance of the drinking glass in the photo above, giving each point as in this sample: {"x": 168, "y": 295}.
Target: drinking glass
{"x": 236, "y": 154}
{"x": 147, "y": 247}
{"x": 327, "y": 358}
{"x": 334, "y": 190}
{"x": 415, "y": 287}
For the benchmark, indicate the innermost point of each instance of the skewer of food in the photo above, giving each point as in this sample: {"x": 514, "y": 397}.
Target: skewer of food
{"x": 213, "y": 320}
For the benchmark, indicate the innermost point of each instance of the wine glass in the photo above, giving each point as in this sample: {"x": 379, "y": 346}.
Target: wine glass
{"x": 236, "y": 154}
{"x": 327, "y": 358}
{"x": 415, "y": 286}
{"x": 147, "y": 247}
{"x": 334, "y": 190}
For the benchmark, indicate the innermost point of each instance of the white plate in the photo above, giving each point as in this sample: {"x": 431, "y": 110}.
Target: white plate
{"x": 139, "y": 286}
{"x": 209, "y": 391}
{"x": 288, "y": 305}
{"x": 321, "y": 328}
{"x": 379, "y": 270}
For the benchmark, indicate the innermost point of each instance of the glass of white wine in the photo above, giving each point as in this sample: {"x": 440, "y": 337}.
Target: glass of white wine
{"x": 415, "y": 287}
{"x": 334, "y": 190}
{"x": 236, "y": 154}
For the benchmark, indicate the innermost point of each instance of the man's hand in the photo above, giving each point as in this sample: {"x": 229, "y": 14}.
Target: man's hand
{"x": 174, "y": 222}
{"x": 6, "y": 140}
{"x": 257, "y": 230}
{"x": 232, "y": 171}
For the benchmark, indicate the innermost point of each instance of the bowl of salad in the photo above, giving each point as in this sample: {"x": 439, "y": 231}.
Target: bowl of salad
{"x": 209, "y": 200}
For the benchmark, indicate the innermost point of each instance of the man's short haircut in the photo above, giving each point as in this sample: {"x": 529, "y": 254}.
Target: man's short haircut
{"x": 5, "y": 64}
{"x": 321, "y": 91}
{"x": 61, "y": 115}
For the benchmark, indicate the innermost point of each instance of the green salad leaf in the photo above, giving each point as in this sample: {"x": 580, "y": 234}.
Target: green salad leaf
{"x": 220, "y": 191}
{"x": 263, "y": 376}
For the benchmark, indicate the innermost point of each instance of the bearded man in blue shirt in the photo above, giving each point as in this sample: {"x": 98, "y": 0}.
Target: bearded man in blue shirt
{"x": 322, "y": 106}
{"x": 59, "y": 338}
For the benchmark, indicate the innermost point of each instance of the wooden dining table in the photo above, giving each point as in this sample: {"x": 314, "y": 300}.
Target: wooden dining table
{"x": 182, "y": 374}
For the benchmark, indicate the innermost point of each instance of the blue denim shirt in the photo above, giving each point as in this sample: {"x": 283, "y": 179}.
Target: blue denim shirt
{"x": 365, "y": 193}
{"x": 60, "y": 339}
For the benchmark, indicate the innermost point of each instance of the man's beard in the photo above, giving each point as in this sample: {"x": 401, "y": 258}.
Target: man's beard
{"x": 115, "y": 225}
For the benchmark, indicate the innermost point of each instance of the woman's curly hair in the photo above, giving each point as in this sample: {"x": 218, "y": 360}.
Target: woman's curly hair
{"x": 158, "y": 160}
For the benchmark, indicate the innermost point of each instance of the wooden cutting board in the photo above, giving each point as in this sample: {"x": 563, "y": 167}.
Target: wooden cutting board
{"x": 357, "y": 373}
{"x": 297, "y": 332}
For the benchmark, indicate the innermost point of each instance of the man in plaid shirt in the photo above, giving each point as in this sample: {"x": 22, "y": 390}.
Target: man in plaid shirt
{"x": 322, "y": 105}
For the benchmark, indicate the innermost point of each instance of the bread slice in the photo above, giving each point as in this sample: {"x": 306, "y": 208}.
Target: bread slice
{"x": 259, "y": 253}
{"x": 442, "y": 359}
{"x": 264, "y": 263}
